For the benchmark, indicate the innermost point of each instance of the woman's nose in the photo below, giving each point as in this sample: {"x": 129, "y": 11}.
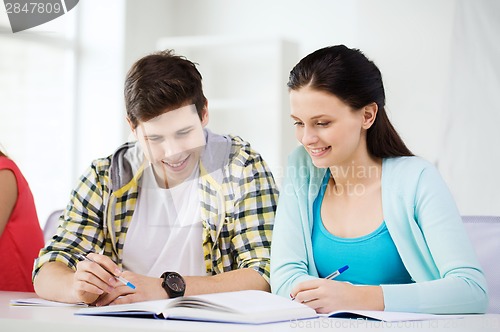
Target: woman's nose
{"x": 309, "y": 136}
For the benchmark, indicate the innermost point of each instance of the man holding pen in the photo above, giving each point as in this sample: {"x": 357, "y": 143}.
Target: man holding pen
{"x": 179, "y": 211}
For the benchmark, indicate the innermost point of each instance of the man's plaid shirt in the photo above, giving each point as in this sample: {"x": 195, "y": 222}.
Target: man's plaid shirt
{"x": 238, "y": 202}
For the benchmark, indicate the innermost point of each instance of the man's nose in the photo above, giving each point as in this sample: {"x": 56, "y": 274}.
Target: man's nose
{"x": 171, "y": 149}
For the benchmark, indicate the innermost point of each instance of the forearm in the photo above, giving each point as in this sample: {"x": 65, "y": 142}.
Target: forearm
{"x": 225, "y": 282}
{"x": 54, "y": 282}
{"x": 369, "y": 298}
{"x": 448, "y": 295}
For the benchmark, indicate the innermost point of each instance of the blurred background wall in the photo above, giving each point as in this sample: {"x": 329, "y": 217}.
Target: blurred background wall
{"x": 61, "y": 100}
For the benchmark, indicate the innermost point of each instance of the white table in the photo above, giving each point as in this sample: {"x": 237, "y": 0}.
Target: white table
{"x": 52, "y": 319}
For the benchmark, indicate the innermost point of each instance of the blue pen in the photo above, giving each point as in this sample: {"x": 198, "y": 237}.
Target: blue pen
{"x": 337, "y": 273}
{"x": 122, "y": 279}
{"x": 331, "y": 275}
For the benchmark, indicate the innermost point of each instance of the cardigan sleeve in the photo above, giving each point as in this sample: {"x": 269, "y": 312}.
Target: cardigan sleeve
{"x": 451, "y": 280}
{"x": 291, "y": 255}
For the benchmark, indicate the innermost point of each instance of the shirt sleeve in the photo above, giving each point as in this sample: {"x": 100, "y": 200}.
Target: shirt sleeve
{"x": 81, "y": 227}
{"x": 254, "y": 209}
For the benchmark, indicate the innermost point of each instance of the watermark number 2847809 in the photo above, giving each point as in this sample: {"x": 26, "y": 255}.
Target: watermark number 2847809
{"x": 26, "y": 14}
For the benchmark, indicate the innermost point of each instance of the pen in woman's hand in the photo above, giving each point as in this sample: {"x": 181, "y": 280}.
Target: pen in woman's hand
{"x": 337, "y": 273}
{"x": 331, "y": 276}
{"x": 120, "y": 278}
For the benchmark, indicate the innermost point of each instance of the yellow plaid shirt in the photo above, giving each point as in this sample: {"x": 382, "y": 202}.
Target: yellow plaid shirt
{"x": 238, "y": 203}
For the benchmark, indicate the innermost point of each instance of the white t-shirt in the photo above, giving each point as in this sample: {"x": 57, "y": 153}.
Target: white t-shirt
{"x": 165, "y": 233}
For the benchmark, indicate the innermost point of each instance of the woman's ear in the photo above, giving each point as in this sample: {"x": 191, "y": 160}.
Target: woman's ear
{"x": 369, "y": 115}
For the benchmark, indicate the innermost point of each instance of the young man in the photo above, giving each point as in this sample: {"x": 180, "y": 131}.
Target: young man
{"x": 180, "y": 211}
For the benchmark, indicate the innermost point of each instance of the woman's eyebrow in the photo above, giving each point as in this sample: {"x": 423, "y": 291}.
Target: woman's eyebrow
{"x": 313, "y": 118}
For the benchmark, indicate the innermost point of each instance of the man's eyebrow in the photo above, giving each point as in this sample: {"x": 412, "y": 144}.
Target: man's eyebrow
{"x": 161, "y": 135}
{"x": 153, "y": 136}
{"x": 184, "y": 129}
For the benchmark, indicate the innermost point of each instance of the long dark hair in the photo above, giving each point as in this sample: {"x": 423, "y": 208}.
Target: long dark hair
{"x": 354, "y": 79}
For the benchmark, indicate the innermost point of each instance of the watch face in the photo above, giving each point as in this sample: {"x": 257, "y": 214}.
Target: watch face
{"x": 175, "y": 282}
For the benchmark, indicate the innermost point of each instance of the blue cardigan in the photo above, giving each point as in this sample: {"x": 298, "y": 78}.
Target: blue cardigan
{"x": 423, "y": 221}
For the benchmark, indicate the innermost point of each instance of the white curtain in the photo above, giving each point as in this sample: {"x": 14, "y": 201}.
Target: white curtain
{"x": 470, "y": 150}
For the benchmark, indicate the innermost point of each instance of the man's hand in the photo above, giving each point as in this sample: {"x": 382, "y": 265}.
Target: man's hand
{"x": 92, "y": 278}
{"x": 146, "y": 288}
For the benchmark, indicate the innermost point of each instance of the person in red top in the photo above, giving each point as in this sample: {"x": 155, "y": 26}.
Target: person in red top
{"x": 21, "y": 237}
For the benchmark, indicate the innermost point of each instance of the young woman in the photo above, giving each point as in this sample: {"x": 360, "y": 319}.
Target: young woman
{"x": 20, "y": 234}
{"x": 355, "y": 195}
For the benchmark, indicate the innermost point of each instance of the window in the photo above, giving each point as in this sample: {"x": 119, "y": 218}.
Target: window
{"x": 37, "y": 85}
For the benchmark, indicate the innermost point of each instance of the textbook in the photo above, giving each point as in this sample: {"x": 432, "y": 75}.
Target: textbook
{"x": 242, "y": 307}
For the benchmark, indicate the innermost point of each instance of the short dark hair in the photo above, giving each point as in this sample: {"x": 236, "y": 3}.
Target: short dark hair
{"x": 161, "y": 82}
{"x": 353, "y": 78}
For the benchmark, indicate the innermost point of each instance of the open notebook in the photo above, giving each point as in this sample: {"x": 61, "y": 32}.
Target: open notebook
{"x": 244, "y": 307}
{"x": 38, "y": 302}
{"x": 249, "y": 307}
{"x": 387, "y": 316}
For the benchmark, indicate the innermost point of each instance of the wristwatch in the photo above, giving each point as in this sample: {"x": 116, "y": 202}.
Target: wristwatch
{"x": 173, "y": 284}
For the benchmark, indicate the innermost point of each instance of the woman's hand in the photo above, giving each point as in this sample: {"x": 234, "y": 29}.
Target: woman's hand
{"x": 324, "y": 296}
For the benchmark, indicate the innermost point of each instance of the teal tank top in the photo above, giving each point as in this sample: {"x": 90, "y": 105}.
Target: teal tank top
{"x": 372, "y": 259}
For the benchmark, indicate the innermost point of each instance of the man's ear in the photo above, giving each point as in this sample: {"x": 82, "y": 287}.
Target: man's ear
{"x": 204, "y": 114}
{"x": 132, "y": 128}
{"x": 369, "y": 115}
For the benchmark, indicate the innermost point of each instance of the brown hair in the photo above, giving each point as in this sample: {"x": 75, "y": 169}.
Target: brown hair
{"x": 350, "y": 76}
{"x": 161, "y": 82}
